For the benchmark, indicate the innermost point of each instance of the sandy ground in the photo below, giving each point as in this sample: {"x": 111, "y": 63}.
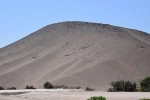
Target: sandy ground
{"x": 60, "y": 94}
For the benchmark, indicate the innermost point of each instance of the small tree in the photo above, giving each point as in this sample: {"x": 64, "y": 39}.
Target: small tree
{"x": 122, "y": 86}
{"x": 1, "y": 88}
{"x": 47, "y": 85}
{"x": 29, "y": 87}
{"x": 145, "y": 84}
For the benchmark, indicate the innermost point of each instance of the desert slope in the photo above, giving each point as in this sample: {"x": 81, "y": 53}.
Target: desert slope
{"x": 76, "y": 54}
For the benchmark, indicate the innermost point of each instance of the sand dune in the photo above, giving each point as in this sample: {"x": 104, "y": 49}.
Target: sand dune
{"x": 76, "y": 54}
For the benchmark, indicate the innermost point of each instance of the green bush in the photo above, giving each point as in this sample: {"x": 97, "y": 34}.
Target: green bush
{"x": 1, "y": 88}
{"x": 97, "y": 98}
{"x": 145, "y": 99}
{"x": 145, "y": 84}
{"x": 122, "y": 86}
{"x": 29, "y": 87}
{"x": 47, "y": 85}
{"x": 11, "y": 88}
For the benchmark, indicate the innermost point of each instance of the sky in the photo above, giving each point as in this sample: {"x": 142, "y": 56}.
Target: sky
{"x": 19, "y": 18}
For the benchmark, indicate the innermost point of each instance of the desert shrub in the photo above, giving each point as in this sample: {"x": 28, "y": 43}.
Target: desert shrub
{"x": 145, "y": 99}
{"x": 1, "y": 88}
{"x": 122, "y": 86}
{"x": 73, "y": 87}
{"x": 78, "y": 87}
{"x": 47, "y": 85}
{"x": 66, "y": 87}
{"x": 97, "y": 98}
{"x": 29, "y": 87}
{"x": 89, "y": 89}
{"x": 58, "y": 86}
{"x": 145, "y": 84}
{"x": 11, "y": 88}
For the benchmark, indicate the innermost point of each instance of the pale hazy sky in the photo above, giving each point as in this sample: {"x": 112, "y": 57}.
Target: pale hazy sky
{"x": 19, "y": 18}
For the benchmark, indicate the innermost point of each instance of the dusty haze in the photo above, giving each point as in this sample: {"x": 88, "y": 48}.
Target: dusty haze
{"x": 76, "y": 54}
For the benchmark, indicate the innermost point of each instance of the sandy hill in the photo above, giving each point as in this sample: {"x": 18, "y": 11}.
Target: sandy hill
{"x": 76, "y": 54}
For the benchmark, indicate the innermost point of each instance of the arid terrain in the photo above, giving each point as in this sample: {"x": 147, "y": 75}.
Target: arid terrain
{"x": 71, "y": 95}
{"x": 75, "y": 54}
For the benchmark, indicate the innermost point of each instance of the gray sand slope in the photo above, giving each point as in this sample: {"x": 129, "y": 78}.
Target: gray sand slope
{"x": 76, "y": 54}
